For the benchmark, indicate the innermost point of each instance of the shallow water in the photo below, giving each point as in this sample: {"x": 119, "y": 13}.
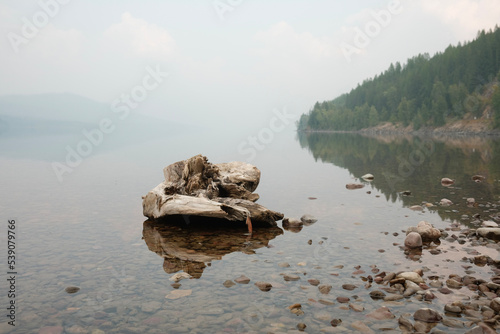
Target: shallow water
{"x": 88, "y": 231}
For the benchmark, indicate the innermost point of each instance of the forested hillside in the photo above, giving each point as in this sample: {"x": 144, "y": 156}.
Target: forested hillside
{"x": 459, "y": 83}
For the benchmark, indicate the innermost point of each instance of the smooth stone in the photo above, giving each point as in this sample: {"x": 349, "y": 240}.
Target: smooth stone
{"x": 452, "y": 308}
{"x": 368, "y": 177}
{"x": 179, "y": 276}
{"x": 377, "y": 294}
{"x": 382, "y": 313}
{"x": 454, "y": 323}
{"x": 411, "y": 276}
{"x": 313, "y": 281}
{"x": 411, "y": 288}
{"x": 427, "y": 315}
{"x": 452, "y": 284}
{"x": 405, "y": 322}
{"x": 242, "y": 280}
{"x": 492, "y": 233}
{"x": 495, "y": 304}
{"x": 291, "y": 277}
{"x": 489, "y": 224}
{"x": 324, "y": 288}
{"x": 343, "y": 300}
{"x": 228, "y": 283}
{"x": 335, "y": 322}
{"x": 176, "y": 294}
{"x": 393, "y": 297}
{"x": 264, "y": 286}
{"x": 284, "y": 264}
{"x": 356, "y": 307}
{"x": 72, "y": 289}
{"x": 416, "y": 208}
{"x": 413, "y": 240}
{"x": 349, "y": 287}
{"x": 360, "y": 327}
{"x": 301, "y": 326}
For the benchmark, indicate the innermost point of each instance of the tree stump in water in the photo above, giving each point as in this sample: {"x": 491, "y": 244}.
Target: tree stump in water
{"x": 199, "y": 188}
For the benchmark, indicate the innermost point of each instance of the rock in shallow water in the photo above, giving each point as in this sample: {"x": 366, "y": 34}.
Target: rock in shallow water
{"x": 413, "y": 240}
{"x": 72, "y": 289}
{"x": 381, "y": 313}
{"x": 264, "y": 286}
{"x": 427, "y": 315}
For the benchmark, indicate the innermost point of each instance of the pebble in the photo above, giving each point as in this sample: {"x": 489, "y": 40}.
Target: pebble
{"x": 176, "y": 294}
{"x": 324, "y": 288}
{"x": 291, "y": 277}
{"x": 343, "y": 300}
{"x": 356, "y": 307}
{"x": 228, "y": 283}
{"x": 264, "y": 286}
{"x": 382, "y": 313}
{"x": 313, "y": 281}
{"x": 427, "y": 315}
{"x": 72, "y": 289}
{"x": 349, "y": 287}
{"x": 242, "y": 280}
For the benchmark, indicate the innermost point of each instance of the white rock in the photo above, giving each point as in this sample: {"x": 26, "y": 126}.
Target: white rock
{"x": 179, "y": 276}
{"x": 367, "y": 177}
{"x": 411, "y": 276}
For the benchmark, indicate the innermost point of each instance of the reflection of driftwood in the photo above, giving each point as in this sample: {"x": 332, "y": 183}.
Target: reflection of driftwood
{"x": 191, "y": 247}
{"x": 197, "y": 187}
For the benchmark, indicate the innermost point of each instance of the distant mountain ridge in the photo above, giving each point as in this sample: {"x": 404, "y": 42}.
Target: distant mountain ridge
{"x": 461, "y": 83}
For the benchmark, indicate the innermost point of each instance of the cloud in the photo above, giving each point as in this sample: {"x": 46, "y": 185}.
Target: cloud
{"x": 139, "y": 38}
{"x": 464, "y": 17}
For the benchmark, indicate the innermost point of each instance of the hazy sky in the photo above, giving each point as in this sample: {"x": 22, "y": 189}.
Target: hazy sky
{"x": 227, "y": 60}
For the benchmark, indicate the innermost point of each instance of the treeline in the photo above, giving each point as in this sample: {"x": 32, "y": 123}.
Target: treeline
{"x": 461, "y": 82}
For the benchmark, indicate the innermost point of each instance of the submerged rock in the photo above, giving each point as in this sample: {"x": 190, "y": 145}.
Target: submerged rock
{"x": 427, "y": 315}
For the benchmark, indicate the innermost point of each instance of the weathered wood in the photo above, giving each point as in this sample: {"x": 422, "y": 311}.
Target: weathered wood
{"x": 200, "y": 188}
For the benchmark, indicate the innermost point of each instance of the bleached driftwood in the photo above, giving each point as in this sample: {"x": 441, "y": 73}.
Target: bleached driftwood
{"x": 200, "y": 188}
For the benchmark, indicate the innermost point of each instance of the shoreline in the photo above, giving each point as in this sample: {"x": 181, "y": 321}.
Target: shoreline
{"x": 432, "y": 132}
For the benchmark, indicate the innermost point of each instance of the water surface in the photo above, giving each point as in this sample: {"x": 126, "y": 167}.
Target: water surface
{"x": 88, "y": 231}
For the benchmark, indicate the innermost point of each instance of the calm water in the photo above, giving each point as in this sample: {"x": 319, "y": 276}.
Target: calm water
{"x": 88, "y": 231}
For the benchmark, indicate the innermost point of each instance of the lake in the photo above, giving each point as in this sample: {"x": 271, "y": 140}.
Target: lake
{"x": 88, "y": 231}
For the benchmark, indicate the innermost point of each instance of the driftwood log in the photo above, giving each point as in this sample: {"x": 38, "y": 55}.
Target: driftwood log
{"x": 199, "y": 188}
